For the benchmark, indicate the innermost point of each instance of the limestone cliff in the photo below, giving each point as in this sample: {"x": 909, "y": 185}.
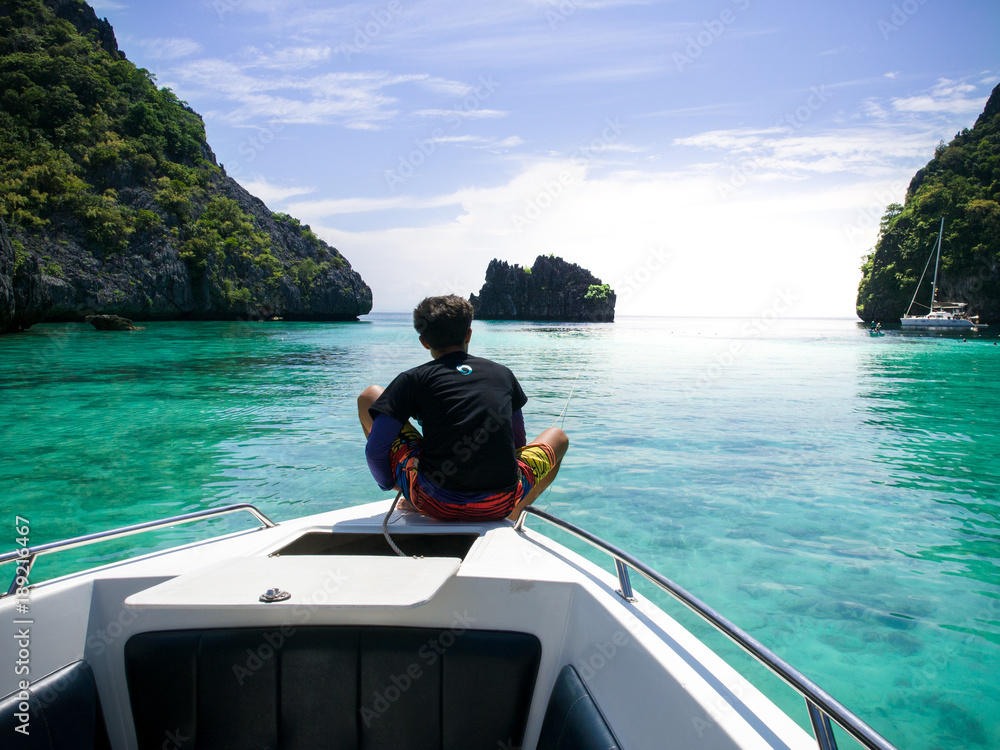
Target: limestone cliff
{"x": 551, "y": 289}
{"x": 6, "y": 278}
{"x": 112, "y": 202}
{"x": 961, "y": 184}
{"x": 22, "y": 297}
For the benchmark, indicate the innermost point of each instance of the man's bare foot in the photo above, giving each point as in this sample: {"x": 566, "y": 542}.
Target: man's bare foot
{"x": 406, "y": 506}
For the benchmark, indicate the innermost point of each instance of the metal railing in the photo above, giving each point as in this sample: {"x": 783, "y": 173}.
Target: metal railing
{"x": 821, "y": 705}
{"x": 27, "y": 555}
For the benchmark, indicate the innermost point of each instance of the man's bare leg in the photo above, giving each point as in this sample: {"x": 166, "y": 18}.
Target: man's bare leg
{"x": 368, "y": 397}
{"x": 559, "y": 442}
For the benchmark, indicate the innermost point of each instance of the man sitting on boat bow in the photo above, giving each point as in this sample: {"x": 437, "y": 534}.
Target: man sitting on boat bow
{"x": 471, "y": 462}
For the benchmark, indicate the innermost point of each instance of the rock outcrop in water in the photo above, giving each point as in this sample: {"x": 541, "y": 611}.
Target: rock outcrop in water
{"x": 551, "y": 289}
{"x": 962, "y": 185}
{"x": 112, "y": 202}
{"x": 112, "y": 323}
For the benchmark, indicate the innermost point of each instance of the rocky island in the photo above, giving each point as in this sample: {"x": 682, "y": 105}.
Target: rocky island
{"x": 113, "y": 203}
{"x": 551, "y": 289}
{"x": 962, "y": 185}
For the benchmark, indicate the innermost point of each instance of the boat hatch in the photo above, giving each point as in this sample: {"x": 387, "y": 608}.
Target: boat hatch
{"x": 308, "y": 580}
{"x": 419, "y": 545}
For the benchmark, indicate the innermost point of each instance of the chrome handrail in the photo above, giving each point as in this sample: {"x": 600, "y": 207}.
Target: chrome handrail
{"x": 27, "y": 555}
{"x": 821, "y": 705}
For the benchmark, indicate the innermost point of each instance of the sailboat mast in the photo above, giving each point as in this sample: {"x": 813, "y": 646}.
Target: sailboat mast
{"x": 936, "y": 264}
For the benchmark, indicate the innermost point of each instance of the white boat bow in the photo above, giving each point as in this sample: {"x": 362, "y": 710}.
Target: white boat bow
{"x": 311, "y": 633}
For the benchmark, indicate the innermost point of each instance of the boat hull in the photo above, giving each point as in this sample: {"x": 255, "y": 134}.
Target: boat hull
{"x": 927, "y": 324}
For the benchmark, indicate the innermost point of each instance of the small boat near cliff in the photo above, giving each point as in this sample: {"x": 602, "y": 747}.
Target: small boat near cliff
{"x": 314, "y": 633}
{"x": 946, "y": 315}
{"x": 942, "y": 317}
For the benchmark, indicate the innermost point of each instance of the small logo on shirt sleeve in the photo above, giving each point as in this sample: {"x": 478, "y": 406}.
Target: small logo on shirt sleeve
{"x": 464, "y": 369}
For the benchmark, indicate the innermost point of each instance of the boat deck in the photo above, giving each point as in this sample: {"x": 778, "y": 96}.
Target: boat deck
{"x": 652, "y": 683}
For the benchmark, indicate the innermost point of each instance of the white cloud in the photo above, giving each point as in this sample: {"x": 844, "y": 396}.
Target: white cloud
{"x": 351, "y": 99}
{"x": 834, "y": 51}
{"x": 482, "y": 142}
{"x": 511, "y": 34}
{"x": 585, "y": 4}
{"x": 605, "y": 72}
{"x": 465, "y": 114}
{"x": 447, "y": 87}
{"x": 954, "y": 105}
{"x": 873, "y": 108}
{"x": 877, "y": 140}
{"x": 737, "y": 140}
{"x": 458, "y": 139}
{"x": 271, "y": 193}
{"x": 772, "y": 154}
{"x": 721, "y": 258}
{"x": 339, "y": 206}
{"x": 289, "y": 58}
{"x": 256, "y": 93}
{"x": 169, "y": 49}
{"x": 947, "y": 97}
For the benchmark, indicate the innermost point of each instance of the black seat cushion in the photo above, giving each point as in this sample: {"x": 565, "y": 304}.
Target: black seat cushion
{"x": 351, "y": 688}
{"x": 572, "y": 718}
{"x": 63, "y": 713}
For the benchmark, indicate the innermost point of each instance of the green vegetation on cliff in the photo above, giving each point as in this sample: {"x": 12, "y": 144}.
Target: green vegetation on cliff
{"x": 962, "y": 185}
{"x": 598, "y": 291}
{"x": 74, "y": 117}
{"x": 114, "y": 201}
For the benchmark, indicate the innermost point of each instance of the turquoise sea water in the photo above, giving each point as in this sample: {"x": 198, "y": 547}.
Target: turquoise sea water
{"x": 834, "y": 494}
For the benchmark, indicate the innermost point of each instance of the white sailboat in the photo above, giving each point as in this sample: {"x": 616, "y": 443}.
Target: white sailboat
{"x": 948, "y": 315}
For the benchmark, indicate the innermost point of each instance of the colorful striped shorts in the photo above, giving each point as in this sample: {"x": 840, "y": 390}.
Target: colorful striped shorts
{"x": 534, "y": 461}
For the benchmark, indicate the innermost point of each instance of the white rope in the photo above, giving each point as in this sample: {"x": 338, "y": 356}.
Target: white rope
{"x": 385, "y": 526}
{"x": 561, "y": 418}
{"x": 565, "y": 409}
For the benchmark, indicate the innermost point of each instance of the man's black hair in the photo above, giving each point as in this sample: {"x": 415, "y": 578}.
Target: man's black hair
{"x": 443, "y": 321}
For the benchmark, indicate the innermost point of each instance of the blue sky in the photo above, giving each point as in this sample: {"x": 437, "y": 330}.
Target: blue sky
{"x": 704, "y": 158}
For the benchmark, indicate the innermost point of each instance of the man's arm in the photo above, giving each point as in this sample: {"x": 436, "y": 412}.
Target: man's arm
{"x": 517, "y": 425}
{"x": 383, "y": 433}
